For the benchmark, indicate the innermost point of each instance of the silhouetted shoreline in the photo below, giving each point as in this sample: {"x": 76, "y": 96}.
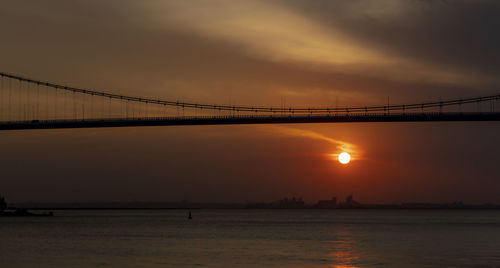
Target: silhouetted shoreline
{"x": 24, "y": 213}
{"x": 270, "y": 205}
{"x": 21, "y": 209}
{"x": 350, "y": 203}
{"x": 6, "y": 211}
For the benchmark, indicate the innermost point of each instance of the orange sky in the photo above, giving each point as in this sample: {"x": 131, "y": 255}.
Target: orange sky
{"x": 257, "y": 52}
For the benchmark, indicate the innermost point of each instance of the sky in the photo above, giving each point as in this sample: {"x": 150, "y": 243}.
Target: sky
{"x": 248, "y": 52}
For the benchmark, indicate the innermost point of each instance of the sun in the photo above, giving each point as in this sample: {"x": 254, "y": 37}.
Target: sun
{"x": 344, "y": 158}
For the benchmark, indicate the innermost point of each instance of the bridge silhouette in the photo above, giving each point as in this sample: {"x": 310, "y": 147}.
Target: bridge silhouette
{"x": 33, "y": 104}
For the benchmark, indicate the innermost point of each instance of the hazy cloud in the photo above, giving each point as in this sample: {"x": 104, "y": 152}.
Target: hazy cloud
{"x": 309, "y": 52}
{"x": 346, "y": 43}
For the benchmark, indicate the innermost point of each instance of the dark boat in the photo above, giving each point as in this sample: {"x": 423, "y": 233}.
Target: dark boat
{"x": 20, "y": 212}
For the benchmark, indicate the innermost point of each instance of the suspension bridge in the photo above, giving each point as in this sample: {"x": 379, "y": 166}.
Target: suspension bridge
{"x": 27, "y": 103}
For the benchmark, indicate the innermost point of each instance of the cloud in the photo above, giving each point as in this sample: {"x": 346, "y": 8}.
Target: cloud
{"x": 457, "y": 39}
{"x": 276, "y": 32}
{"x": 266, "y": 29}
{"x": 341, "y": 145}
{"x": 308, "y": 53}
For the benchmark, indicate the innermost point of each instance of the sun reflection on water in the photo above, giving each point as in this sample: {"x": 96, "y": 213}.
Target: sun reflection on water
{"x": 343, "y": 254}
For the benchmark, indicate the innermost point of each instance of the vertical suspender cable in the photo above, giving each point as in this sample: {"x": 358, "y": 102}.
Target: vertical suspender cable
{"x": 46, "y": 102}
{"x": 64, "y": 105}
{"x": 55, "y": 103}
{"x": 103, "y": 112}
{"x": 10, "y": 99}
{"x": 74, "y": 106}
{"x": 27, "y": 106}
{"x": 83, "y": 106}
{"x": 19, "y": 99}
{"x": 38, "y": 101}
{"x": 133, "y": 109}
{"x": 91, "y": 106}
{"x": 1, "y": 99}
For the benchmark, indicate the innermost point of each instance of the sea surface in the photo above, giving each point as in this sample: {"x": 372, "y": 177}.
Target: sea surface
{"x": 253, "y": 238}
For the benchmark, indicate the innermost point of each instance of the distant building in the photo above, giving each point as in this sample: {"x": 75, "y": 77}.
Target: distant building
{"x": 349, "y": 203}
{"x": 259, "y": 205}
{"x": 327, "y": 204}
{"x": 291, "y": 203}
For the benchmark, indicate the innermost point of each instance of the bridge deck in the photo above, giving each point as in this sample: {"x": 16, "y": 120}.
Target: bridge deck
{"x": 237, "y": 120}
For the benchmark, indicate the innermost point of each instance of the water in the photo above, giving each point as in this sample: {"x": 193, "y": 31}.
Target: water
{"x": 253, "y": 238}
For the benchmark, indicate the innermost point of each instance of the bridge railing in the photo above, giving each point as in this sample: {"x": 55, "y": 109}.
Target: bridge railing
{"x": 244, "y": 117}
{"x": 25, "y": 100}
